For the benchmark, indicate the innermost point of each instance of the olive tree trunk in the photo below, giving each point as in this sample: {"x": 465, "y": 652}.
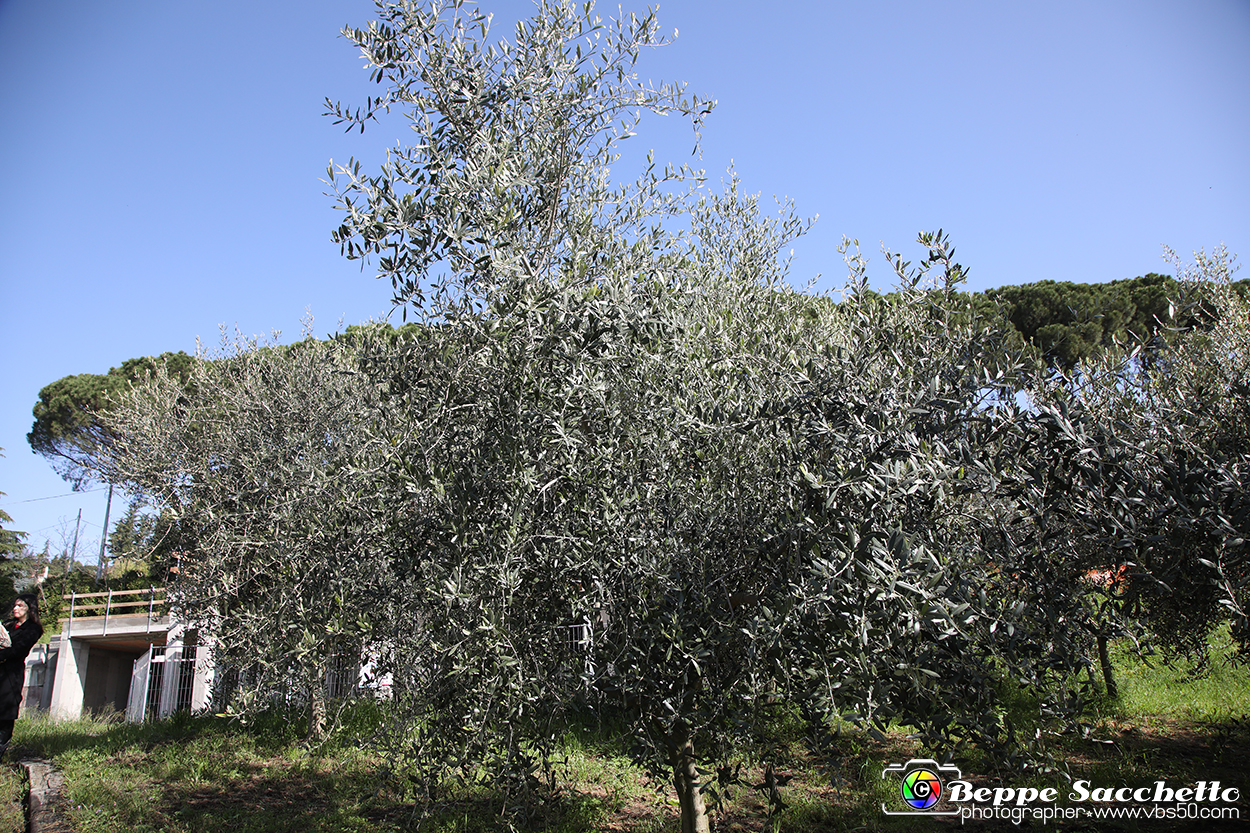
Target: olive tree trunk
{"x": 686, "y": 780}
{"x": 317, "y": 704}
{"x": 1104, "y": 660}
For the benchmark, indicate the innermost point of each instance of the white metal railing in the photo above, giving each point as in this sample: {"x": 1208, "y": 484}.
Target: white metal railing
{"x": 156, "y": 599}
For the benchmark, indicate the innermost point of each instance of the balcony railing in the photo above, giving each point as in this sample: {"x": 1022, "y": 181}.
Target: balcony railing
{"x": 115, "y": 604}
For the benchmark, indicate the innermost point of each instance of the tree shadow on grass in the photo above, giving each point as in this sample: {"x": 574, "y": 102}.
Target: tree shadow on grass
{"x": 300, "y": 801}
{"x": 109, "y": 734}
{"x": 1182, "y": 751}
{"x": 210, "y": 774}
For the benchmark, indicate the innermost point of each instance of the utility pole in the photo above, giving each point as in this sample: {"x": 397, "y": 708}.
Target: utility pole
{"x": 99, "y": 567}
{"x": 73, "y": 553}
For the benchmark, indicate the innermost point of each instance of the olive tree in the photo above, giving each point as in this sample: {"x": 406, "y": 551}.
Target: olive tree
{"x": 731, "y": 494}
{"x": 629, "y": 467}
{"x": 1166, "y": 442}
{"x": 260, "y": 456}
{"x": 621, "y": 465}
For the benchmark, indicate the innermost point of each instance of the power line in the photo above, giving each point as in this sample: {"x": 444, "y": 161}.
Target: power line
{"x": 51, "y": 497}
{"x": 65, "y": 522}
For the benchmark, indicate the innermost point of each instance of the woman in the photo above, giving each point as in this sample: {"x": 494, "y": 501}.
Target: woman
{"x": 23, "y": 629}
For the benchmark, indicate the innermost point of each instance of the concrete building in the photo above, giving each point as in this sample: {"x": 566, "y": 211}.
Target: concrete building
{"x": 118, "y": 651}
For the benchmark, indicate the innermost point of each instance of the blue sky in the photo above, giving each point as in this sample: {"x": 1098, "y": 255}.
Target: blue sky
{"x": 164, "y": 160}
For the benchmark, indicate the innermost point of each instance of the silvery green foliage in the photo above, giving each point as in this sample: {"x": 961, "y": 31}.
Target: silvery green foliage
{"x": 506, "y": 175}
{"x": 754, "y": 499}
{"x": 1165, "y": 448}
{"x": 261, "y": 456}
{"x": 621, "y": 466}
{"x": 620, "y": 424}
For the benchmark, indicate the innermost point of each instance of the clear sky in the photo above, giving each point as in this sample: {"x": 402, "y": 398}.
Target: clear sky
{"x": 164, "y": 160}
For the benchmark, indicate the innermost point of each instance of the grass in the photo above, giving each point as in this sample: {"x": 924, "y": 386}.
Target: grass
{"x": 12, "y": 792}
{"x": 208, "y": 774}
{"x": 1176, "y": 689}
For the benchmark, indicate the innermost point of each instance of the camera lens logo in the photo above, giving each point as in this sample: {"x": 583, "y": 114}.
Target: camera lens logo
{"x": 922, "y": 785}
{"x": 921, "y": 788}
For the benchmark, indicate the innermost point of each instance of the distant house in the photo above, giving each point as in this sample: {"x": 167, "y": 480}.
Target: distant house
{"x": 118, "y": 651}
{"x": 121, "y": 652}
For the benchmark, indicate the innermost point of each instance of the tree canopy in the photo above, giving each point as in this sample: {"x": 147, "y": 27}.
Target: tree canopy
{"x": 253, "y": 456}
{"x": 1065, "y": 323}
{"x": 66, "y": 431}
{"x": 1073, "y": 322}
{"x": 622, "y": 467}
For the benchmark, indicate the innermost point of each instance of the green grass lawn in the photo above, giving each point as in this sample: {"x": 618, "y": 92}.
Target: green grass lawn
{"x": 12, "y": 792}
{"x": 211, "y": 774}
{"x": 1157, "y": 689}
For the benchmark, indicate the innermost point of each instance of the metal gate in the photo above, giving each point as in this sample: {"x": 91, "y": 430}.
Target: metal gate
{"x": 162, "y": 683}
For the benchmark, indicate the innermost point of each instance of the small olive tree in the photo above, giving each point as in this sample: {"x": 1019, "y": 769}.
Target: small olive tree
{"x": 1165, "y": 442}
{"x": 689, "y": 501}
{"x": 630, "y": 469}
{"x": 621, "y": 465}
{"x": 261, "y": 456}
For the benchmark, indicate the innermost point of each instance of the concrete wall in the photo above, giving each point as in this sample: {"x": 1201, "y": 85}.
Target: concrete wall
{"x": 39, "y": 665}
{"x": 97, "y": 671}
{"x": 68, "y": 683}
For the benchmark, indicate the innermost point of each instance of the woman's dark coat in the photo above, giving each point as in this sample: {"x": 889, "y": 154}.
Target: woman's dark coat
{"x": 13, "y": 666}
